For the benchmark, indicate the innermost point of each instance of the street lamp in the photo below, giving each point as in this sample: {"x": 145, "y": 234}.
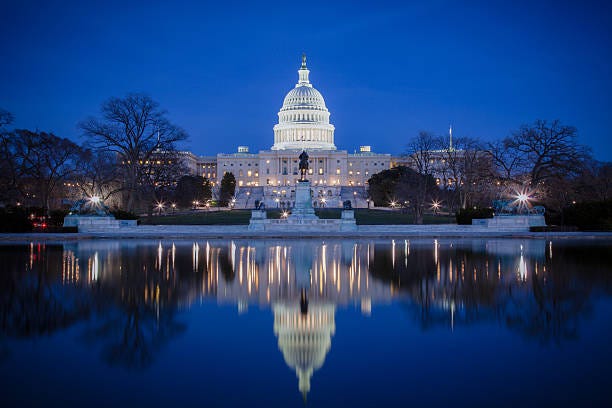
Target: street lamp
{"x": 173, "y": 205}
{"x": 160, "y": 207}
{"x": 436, "y": 206}
{"x": 393, "y": 204}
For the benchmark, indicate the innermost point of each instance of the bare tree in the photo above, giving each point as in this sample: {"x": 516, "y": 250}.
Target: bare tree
{"x": 421, "y": 156}
{"x": 44, "y": 161}
{"x": 134, "y": 128}
{"x": 548, "y": 150}
{"x": 160, "y": 176}
{"x": 9, "y": 170}
{"x": 468, "y": 167}
{"x": 98, "y": 176}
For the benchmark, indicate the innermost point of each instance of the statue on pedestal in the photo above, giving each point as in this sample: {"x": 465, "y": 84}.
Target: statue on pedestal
{"x": 303, "y": 165}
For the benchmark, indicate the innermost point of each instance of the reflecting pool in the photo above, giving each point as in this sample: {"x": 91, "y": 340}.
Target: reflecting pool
{"x": 449, "y": 322}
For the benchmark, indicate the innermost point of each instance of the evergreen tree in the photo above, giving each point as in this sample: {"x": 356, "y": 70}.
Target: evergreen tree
{"x": 228, "y": 188}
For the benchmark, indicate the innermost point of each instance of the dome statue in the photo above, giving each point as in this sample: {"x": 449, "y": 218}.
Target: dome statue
{"x": 303, "y": 121}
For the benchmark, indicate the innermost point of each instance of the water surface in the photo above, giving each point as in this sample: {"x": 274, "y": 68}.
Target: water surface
{"x": 451, "y": 322}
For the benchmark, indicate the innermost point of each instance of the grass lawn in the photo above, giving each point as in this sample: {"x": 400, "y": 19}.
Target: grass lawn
{"x": 241, "y": 217}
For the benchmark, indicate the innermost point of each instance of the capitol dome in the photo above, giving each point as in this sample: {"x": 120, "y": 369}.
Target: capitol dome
{"x": 303, "y": 121}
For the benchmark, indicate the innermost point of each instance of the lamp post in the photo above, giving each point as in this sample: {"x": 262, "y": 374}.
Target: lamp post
{"x": 173, "y": 205}
{"x": 160, "y": 207}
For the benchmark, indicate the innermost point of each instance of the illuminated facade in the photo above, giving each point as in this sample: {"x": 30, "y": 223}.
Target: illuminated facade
{"x": 303, "y": 124}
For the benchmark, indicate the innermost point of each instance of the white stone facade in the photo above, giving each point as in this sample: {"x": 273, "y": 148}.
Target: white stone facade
{"x": 271, "y": 175}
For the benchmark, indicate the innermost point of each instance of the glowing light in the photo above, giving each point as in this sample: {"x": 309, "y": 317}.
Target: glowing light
{"x": 95, "y": 200}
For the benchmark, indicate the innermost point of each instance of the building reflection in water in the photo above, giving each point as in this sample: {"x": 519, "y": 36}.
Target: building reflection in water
{"x": 441, "y": 282}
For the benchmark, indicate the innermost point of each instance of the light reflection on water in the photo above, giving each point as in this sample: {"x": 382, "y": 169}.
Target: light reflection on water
{"x": 130, "y": 292}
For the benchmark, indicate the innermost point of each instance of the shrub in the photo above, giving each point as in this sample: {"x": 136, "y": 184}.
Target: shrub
{"x": 590, "y": 216}
{"x": 466, "y": 215}
{"x": 56, "y": 217}
{"x": 124, "y": 215}
{"x": 14, "y": 220}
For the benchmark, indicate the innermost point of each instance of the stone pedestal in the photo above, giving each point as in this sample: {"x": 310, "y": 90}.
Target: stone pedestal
{"x": 303, "y": 210}
{"x": 511, "y": 222}
{"x": 258, "y": 220}
{"x": 91, "y": 223}
{"x": 347, "y": 221}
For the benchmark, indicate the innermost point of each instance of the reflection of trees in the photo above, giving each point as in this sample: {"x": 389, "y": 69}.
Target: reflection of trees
{"x": 560, "y": 294}
{"x": 137, "y": 309}
{"x": 131, "y": 299}
{"x": 466, "y": 286}
{"x": 34, "y": 302}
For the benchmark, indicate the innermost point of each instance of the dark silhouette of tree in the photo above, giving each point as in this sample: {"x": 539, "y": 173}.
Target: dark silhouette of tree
{"x": 136, "y": 129}
{"x": 404, "y": 185}
{"x": 469, "y": 167}
{"x": 44, "y": 161}
{"x": 550, "y": 150}
{"x": 33, "y": 299}
{"x": 227, "y": 190}
{"x": 99, "y": 176}
{"x": 9, "y": 167}
{"x": 192, "y": 188}
{"x": 421, "y": 154}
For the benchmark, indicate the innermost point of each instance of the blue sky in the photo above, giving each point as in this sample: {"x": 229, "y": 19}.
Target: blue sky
{"x": 386, "y": 69}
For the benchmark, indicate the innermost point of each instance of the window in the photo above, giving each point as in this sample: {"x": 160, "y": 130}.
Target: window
{"x": 249, "y": 173}
{"x": 320, "y": 170}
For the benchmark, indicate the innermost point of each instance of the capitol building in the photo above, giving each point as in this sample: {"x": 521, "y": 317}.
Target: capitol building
{"x": 269, "y": 176}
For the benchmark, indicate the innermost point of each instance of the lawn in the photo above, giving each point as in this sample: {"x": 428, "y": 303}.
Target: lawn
{"x": 241, "y": 217}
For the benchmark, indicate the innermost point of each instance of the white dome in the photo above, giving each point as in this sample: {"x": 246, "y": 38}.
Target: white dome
{"x": 303, "y": 121}
{"x": 304, "y": 97}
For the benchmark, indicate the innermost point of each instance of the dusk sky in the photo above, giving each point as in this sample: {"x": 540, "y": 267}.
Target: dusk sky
{"x": 386, "y": 70}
